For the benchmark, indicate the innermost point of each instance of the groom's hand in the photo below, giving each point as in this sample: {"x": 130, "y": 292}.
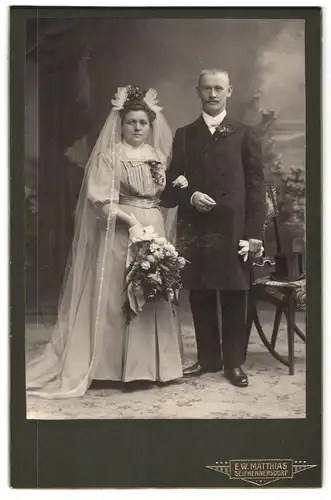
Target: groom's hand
{"x": 202, "y": 202}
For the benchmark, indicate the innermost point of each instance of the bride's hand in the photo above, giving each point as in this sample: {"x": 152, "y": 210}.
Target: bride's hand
{"x": 136, "y": 230}
{"x": 133, "y": 221}
{"x": 180, "y": 182}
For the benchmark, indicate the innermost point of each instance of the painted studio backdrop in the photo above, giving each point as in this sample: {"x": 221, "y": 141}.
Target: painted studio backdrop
{"x": 73, "y": 70}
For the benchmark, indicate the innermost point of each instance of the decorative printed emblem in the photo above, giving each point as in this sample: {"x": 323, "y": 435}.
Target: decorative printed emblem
{"x": 261, "y": 472}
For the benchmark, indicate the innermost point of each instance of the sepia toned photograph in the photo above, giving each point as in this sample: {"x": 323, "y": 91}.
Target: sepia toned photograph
{"x": 165, "y": 218}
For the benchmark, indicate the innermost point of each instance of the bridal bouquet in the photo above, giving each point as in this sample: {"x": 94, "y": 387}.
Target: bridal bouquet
{"x": 153, "y": 270}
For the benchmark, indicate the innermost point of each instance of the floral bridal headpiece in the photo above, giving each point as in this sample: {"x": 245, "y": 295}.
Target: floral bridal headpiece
{"x": 133, "y": 94}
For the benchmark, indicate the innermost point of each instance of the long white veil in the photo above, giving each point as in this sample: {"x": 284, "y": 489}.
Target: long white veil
{"x": 66, "y": 367}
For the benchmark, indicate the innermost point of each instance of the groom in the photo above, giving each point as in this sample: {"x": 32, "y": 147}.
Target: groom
{"x": 223, "y": 203}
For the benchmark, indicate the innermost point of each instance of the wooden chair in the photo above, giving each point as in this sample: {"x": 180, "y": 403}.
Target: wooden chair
{"x": 287, "y": 296}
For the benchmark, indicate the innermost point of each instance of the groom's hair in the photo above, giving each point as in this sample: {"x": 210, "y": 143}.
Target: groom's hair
{"x": 212, "y": 71}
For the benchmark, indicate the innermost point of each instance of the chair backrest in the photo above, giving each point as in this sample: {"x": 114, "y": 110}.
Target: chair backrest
{"x": 272, "y": 217}
{"x": 299, "y": 246}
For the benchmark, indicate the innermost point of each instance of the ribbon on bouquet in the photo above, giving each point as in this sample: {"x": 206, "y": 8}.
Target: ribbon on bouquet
{"x": 244, "y": 250}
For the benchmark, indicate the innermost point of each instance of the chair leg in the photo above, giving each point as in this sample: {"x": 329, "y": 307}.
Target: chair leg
{"x": 249, "y": 325}
{"x": 278, "y": 317}
{"x": 265, "y": 341}
{"x": 299, "y": 333}
{"x": 290, "y": 330}
{"x": 297, "y": 330}
{"x": 249, "y": 320}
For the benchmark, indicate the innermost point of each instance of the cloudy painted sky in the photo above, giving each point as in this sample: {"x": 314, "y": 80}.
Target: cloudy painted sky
{"x": 168, "y": 54}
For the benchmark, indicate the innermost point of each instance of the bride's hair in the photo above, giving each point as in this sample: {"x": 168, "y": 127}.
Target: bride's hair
{"x": 134, "y": 101}
{"x": 137, "y": 106}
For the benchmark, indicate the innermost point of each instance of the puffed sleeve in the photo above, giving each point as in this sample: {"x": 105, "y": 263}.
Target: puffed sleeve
{"x": 101, "y": 189}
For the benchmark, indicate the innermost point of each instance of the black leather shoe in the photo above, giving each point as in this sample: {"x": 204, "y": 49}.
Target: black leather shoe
{"x": 237, "y": 377}
{"x": 198, "y": 369}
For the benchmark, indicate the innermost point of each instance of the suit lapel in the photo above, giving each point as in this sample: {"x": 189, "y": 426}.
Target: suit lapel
{"x": 227, "y": 127}
{"x": 208, "y": 148}
{"x": 227, "y": 121}
{"x": 202, "y": 135}
{"x": 202, "y": 129}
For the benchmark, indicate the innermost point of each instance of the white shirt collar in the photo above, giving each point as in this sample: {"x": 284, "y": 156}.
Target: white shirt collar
{"x": 129, "y": 147}
{"x": 214, "y": 121}
{"x": 143, "y": 152}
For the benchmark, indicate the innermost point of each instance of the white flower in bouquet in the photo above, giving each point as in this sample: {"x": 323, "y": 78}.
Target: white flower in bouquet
{"x": 181, "y": 262}
{"x": 173, "y": 254}
{"x": 170, "y": 251}
{"x": 141, "y": 234}
{"x": 154, "y": 247}
{"x": 158, "y": 254}
{"x": 151, "y": 259}
{"x": 154, "y": 277}
{"x": 169, "y": 247}
{"x": 160, "y": 241}
{"x": 145, "y": 264}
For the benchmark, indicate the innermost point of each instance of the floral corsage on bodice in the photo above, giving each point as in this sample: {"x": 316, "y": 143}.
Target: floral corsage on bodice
{"x": 157, "y": 171}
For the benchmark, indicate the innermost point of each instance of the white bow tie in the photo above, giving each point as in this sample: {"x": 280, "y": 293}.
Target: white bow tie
{"x": 215, "y": 123}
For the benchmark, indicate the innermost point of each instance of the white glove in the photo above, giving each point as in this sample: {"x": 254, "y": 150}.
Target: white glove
{"x": 244, "y": 250}
{"x": 139, "y": 233}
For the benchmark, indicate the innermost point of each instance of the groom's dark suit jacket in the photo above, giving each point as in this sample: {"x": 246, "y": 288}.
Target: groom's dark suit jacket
{"x": 228, "y": 167}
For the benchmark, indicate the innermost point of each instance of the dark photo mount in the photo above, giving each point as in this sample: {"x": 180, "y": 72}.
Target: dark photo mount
{"x": 157, "y": 453}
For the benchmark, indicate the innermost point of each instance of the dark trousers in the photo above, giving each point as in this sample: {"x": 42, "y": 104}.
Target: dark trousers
{"x": 211, "y": 351}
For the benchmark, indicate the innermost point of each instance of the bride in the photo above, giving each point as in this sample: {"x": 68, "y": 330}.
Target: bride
{"x": 120, "y": 194}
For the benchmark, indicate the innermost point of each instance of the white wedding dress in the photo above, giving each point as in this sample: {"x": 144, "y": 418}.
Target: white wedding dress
{"x": 150, "y": 347}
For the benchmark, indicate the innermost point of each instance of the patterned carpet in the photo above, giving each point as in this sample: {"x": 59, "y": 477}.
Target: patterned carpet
{"x": 272, "y": 393}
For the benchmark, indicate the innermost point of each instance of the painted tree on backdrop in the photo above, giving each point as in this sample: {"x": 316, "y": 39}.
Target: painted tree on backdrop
{"x": 289, "y": 179}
